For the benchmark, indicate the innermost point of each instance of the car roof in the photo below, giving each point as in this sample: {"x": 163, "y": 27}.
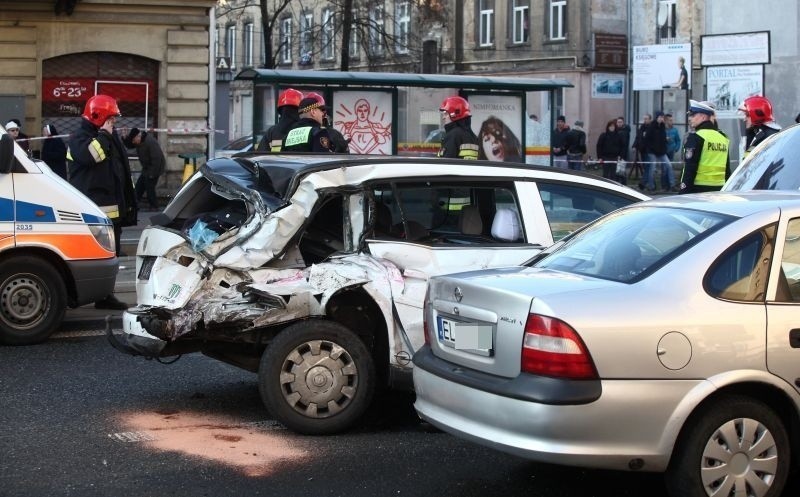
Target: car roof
{"x": 285, "y": 170}
{"x": 739, "y": 204}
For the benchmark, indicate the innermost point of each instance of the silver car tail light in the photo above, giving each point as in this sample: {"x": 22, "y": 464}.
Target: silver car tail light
{"x": 551, "y": 347}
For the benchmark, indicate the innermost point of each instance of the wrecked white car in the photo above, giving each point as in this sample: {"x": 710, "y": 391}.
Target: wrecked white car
{"x": 312, "y": 271}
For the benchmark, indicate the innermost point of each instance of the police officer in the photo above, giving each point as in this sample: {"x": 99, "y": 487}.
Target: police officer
{"x": 98, "y": 167}
{"x": 706, "y": 157}
{"x": 459, "y": 140}
{"x": 308, "y": 135}
{"x": 288, "y": 101}
{"x": 757, "y": 113}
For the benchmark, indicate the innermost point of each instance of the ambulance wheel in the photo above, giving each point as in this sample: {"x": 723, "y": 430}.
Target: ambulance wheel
{"x": 316, "y": 377}
{"x": 33, "y": 299}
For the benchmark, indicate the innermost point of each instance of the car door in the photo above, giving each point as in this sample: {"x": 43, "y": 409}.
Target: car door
{"x": 783, "y": 305}
{"x": 437, "y": 227}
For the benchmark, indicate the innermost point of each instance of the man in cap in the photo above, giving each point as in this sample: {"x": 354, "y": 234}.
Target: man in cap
{"x": 15, "y": 130}
{"x": 706, "y": 156}
{"x": 308, "y": 135}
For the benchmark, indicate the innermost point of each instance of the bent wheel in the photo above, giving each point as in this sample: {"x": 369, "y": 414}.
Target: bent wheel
{"x": 33, "y": 300}
{"x": 737, "y": 446}
{"x": 317, "y": 377}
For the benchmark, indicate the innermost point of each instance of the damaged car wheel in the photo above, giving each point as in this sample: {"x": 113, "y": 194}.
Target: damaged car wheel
{"x": 317, "y": 377}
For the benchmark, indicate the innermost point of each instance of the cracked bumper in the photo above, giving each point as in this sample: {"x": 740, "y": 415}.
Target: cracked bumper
{"x": 134, "y": 339}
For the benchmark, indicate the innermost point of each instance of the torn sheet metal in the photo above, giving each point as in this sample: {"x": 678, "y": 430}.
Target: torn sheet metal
{"x": 270, "y": 296}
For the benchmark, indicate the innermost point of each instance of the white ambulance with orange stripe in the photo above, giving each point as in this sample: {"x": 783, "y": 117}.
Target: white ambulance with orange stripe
{"x": 56, "y": 248}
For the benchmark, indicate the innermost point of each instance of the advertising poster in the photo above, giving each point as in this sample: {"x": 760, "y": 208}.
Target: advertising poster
{"x": 606, "y": 85}
{"x": 728, "y": 86}
{"x": 497, "y": 120}
{"x": 656, "y": 67}
{"x": 737, "y": 48}
{"x": 364, "y": 118}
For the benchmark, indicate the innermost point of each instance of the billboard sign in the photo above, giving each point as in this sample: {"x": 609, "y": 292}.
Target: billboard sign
{"x": 656, "y": 67}
{"x": 728, "y": 86}
{"x": 734, "y": 49}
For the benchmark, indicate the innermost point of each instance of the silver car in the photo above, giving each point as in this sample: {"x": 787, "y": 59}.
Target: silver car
{"x": 662, "y": 337}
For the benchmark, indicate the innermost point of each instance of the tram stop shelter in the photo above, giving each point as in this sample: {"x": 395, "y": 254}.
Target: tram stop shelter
{"x": 398, "y": 113}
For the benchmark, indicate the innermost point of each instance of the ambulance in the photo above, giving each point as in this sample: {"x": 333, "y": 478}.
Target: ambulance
{"x": 56, "y": 248}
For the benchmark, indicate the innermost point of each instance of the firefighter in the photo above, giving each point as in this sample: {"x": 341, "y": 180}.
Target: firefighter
{"x": 459, "y": 140}
{"x": 288, "y": 101}
{"x": 760, "y": 124}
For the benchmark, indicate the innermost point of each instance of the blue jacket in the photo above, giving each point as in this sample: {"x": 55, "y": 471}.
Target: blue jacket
{"x": 673, "y": 141}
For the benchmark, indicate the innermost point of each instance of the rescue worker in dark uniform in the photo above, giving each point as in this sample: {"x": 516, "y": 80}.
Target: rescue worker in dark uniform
{"x": 759, "y": 121}
{"x": 338, "y": 143}
{"x": 288, "y": 101}
{"x": 98, "y": 167}
{"x": 459, "y": 141}
{"x": 706, "y": 153}
{"x": 308, "y": 135}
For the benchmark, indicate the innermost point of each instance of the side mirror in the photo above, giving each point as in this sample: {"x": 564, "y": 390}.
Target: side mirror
{"x": 6, "y": 153}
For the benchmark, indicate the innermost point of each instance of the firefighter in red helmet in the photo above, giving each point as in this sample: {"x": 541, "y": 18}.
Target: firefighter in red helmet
{"x": 459, "y": 140}
{"x": 288, "y": 101}
{"x": 97, "y": 163}
{"x": 759, "y": 121}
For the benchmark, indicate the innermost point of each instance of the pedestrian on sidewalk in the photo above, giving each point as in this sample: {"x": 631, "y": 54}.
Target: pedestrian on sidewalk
{"x": 153, "y": 162}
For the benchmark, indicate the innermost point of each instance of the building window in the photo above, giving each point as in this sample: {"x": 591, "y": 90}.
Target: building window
{"x": 306, "y": 38}
{"x": 520, "y": 28}
{"x": 403, "y": 23}
{"x": 355, "y": 39}
{"x": 485, "y": 23}
{"x": 286, "y": 40}
{"x": 328, "y": 38}
{"x": 558, "y": 20}
{"x": 230, "y": 44}
{"x": 376, "y": 30}
{"x": 666, "y": 21}
{"x": 248, "y": 44}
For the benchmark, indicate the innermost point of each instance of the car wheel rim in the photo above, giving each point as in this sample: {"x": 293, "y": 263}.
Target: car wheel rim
{"x": 23, "y": 301}
{"x": 740, "y": 458}
{"x": 319, "y": 379}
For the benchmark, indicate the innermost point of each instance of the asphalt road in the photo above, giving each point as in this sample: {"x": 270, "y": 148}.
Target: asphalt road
{"x": 78, "y": 418}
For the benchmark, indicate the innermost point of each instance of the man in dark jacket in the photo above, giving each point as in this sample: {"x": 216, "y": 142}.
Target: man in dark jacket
{"x": 558, "y": 143}
{"x": 153, "y": 162}
{"x": 575, "y": 143}
{"x": 308, "y": 135}
{"x": 98, "y": 168}
{"x": 656, "y": 153}
{"x": 459, "y": 141}
{"x": 54, "y": 152}
{"x": 759, "y": 121}
{"x": 288, "y": 101}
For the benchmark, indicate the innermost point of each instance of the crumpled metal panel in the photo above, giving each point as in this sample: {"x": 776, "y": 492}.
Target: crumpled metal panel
{"x": 273, "y": 233}
{"x": 269, "y": 296}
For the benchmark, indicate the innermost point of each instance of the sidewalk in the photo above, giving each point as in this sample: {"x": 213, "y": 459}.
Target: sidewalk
{"x": 87, "y": 317}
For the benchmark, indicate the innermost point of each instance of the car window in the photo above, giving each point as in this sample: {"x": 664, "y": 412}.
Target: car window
{"x": 448, "y": 213}
{"x": 628, "y": 245}
{"x": 324, "y": 233}
{"x": 239, "y": 143}
{"x": 741, "y": 273}
{"x": 568, "y": 207}
{"x": 789, "y": 277}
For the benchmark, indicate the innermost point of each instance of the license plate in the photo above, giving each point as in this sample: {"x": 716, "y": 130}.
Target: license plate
{"x": 470, "y": 337}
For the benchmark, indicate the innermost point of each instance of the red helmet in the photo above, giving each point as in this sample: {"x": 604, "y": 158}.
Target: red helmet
{"x": 316, "y": 96}
{"x": 99, "y": 108}
{"x": 456, "y": 107}
{"x": 758, "y": 109}
{"x": 289, "y": 96}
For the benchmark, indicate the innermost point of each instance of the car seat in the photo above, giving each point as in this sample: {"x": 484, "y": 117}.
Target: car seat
{"x": 620, "y": 260}
{"x": 505, "y": 226}
{"x": 469, "y": 221}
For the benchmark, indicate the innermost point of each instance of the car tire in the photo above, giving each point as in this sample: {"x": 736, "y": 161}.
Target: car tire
{"x": 316, "y": 377}
{"x": 33, "y": 300}
{"x": 714, "y": 455}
